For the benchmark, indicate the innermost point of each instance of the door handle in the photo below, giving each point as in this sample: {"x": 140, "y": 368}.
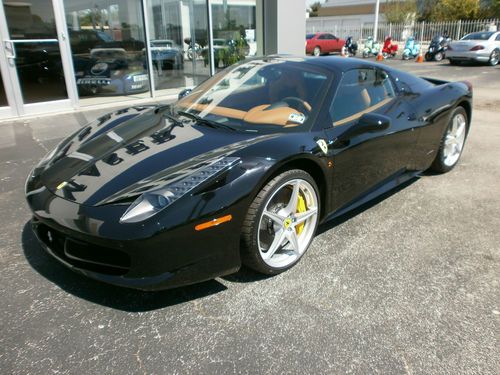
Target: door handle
{"x": 9, "y": 47}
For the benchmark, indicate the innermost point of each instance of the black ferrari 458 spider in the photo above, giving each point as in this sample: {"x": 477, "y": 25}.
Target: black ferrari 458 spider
{"x": 241, "y": 170}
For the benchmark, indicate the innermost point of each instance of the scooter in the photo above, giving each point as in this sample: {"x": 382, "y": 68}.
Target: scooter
{"x": 437, "y": 48}
{"x": 412, "y": 49}
{"x": 371, "y": 47}
{"x": 350, "y": 47}
{"x": 389, "y": 49}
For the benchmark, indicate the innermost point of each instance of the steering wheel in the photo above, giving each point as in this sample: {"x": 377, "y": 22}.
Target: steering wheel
{"x": 298, "y": 104}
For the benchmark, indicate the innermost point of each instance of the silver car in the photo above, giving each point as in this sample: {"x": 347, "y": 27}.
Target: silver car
{"x": 482, "y": 46}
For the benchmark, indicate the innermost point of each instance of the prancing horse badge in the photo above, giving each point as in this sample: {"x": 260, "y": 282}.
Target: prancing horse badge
{"x": 322, "y": 145}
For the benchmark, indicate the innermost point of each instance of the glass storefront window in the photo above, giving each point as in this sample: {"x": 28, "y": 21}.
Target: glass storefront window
{"x": 178, "y": 30}
{"x": 3, "y": 96}
{"x": 234, "y": 31}
{"x": 34, "y": 49}
{"x": 108, "y": 48}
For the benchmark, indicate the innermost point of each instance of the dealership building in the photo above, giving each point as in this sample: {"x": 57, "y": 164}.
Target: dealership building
{"x": 66, "y": 55}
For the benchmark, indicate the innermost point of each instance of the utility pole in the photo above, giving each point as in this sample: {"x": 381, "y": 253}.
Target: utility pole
{"x": 375, "y": 26}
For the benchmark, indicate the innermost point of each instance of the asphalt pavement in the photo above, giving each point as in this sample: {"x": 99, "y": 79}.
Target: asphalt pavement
{"x": 408, "y": 284}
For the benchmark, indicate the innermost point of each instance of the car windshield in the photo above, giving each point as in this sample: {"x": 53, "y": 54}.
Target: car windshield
{"x": 269, "y": 95}
{"x": 309, "y": 36}
{"x": 478, "y": 36}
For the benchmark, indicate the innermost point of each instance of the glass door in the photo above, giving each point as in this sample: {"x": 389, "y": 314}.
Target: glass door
{"x": 34, "y": 69}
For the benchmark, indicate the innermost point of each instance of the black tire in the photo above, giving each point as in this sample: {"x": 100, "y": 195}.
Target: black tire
{"x": 250, "y": 254}
{"x": 453, "y": 62}
{"x": 438, "y": 56}
{"x": 438, "y": 164}
{"x": 428, "y": 57}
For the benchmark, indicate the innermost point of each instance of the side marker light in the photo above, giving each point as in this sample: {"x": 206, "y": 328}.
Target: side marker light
{"x": 213, "y": 223}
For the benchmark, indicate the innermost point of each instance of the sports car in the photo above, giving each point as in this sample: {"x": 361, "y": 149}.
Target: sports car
{"x": 241, "y": 170}
{"x": 108, "y": 71}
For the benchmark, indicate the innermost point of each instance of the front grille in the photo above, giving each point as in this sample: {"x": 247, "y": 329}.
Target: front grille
{"x": 84, "y": 255}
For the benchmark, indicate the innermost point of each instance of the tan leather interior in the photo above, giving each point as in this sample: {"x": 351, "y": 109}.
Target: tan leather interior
{"x": 256, "y": 115}
{"x": 276, "y": 116}
{"x": 366, "y": 97}
{"x": 361, "y": 113}
{"x": 221, "y": 111}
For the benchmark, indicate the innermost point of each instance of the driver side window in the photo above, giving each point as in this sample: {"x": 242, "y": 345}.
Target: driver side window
{"x": 360, "y": 91}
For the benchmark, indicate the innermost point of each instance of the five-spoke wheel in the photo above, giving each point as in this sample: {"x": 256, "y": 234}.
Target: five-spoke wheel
{"x": 453, "y": 142}
{"x": 281, "y": 222}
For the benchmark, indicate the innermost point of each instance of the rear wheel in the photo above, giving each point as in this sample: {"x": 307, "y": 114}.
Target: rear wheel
{"x": 280, "y": 223}
{"x": 452, "y": 142}
{"x": 317, "y": 51}
{"x": 494, "y": 57}
{"x": 438, "y": 56}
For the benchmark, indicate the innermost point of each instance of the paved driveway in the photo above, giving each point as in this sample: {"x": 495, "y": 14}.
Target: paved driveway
{"x": 408, "y": 284}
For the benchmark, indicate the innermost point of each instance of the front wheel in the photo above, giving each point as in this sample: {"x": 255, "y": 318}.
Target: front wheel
{"x": 438, "y": 56}
{"x": 494, "y": 57}
{"x": 280, "y": 223}
{"x": 452, "y": 142}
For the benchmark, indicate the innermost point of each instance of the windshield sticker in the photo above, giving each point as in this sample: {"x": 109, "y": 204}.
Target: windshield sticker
{"x": 298, "y": 118}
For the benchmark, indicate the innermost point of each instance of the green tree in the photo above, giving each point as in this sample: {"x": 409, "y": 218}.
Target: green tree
{"x": 451, "y": 10}
{"x": 314, "y": 9}
{"x": 399, "y": 11}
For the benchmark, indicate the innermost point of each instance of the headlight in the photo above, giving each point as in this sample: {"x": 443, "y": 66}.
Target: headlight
{"x": 152, "y": 202}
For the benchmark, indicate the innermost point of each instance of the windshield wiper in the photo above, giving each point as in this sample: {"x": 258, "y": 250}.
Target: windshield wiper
{"x": 204, "y": 121}
{"x": 175, "y": 120}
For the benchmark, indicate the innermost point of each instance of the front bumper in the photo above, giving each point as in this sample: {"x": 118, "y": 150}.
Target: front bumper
{"x": 479, "y": 56}
{"x": 145, "y": 258}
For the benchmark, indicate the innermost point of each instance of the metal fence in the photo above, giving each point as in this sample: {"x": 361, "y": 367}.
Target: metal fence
{"x": 422, "y": 31}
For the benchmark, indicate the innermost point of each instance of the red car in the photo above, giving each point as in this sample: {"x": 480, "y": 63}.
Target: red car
{"x": 322, "y": 43}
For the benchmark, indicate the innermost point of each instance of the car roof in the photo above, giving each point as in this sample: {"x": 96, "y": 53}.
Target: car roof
{"x": 332, "y": 63}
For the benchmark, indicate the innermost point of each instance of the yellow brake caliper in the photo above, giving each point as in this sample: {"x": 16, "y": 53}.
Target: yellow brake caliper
{"x": 301, "y": 207}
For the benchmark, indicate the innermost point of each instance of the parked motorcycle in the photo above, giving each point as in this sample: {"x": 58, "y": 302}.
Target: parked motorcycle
{"x": 437, "y": 48}
{"x": 389, "y": 49}
{"x": 350, "y": 47}
{"x": 371, "y": 47}
{"x": 411, "y": 49}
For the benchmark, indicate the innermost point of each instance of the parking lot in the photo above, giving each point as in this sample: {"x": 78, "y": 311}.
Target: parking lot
{"x": 408, "y": 284}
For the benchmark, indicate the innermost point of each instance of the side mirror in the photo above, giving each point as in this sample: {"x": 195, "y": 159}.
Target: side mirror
{"x": 373, "y": 122}
{"x": 367, "y": 123}
{"x": 184, "y": 93}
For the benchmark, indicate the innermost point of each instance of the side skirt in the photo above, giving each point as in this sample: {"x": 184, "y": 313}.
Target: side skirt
{"x": 379, "y": 189}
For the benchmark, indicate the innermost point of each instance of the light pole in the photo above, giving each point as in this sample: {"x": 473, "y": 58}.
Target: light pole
{"x": 375, "y": 26}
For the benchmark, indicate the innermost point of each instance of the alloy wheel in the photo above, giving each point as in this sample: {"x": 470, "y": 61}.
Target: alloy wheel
{"x": 287, "y": 223}
{"x": 495, "y": 55}
{"x": 454, "y": 140}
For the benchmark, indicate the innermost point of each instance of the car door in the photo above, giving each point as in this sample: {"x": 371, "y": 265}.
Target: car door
{"x": 363, "y": 162}
{"x": 336, "y": 47}
{"x": 322, "y": 42}
{"x": 330, "y": 43}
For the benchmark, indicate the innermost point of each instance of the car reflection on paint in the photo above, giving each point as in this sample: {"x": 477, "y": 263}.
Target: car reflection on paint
{"x": 166, "y": 54}
{"x": 108, "y": 71}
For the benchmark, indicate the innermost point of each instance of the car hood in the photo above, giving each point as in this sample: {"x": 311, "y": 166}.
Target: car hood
{"x": 128, "y": 150}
